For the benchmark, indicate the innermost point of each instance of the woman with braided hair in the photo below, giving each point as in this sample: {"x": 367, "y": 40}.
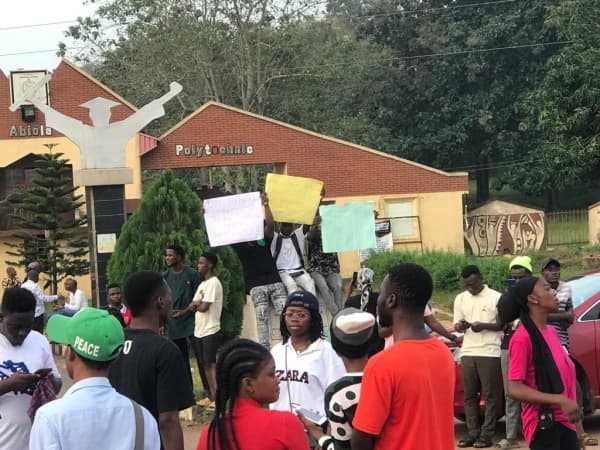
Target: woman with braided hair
{"x": 541, "y": 375}
{"x": 246, "y": 382}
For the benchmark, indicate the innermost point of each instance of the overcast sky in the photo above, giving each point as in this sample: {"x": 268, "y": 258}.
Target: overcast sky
{"x": 17, "y": 13}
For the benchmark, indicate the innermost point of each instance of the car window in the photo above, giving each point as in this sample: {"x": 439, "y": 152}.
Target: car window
{"x": 592, "y": 314}
{"x": 584, "y": 287}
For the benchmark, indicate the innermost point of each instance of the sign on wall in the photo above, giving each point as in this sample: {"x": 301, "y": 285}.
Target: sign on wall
{"x": 21, "y": 81}
{"x": 200, "y": 150}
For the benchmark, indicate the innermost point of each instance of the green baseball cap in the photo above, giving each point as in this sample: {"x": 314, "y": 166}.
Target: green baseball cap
{"x": 91, "y": 333}
{"x": 523, "y": 261}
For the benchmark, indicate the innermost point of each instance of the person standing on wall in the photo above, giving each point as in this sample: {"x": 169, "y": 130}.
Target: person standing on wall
{"x": 475, "y": 315}
{"x": 183, "y": 281}
{"x": 288, "y": 252}
{"x": 150, "y": 370}
{"x": 32, "y": 286}
{"x": 324, "y": 268}
{"x": 261, "y": 276}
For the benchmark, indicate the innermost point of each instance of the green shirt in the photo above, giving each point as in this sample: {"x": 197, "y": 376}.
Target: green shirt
{"x": 183, "y": 287}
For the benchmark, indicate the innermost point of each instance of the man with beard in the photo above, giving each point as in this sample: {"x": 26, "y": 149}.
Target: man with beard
{"x": 25, "y": 358}
{"x": 150, "y": 369}
{"x": 409, "y": 388}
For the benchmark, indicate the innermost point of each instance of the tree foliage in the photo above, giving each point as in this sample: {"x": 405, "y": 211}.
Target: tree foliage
{"x": 50, "y": 224}
{"x": 170, "y": 213}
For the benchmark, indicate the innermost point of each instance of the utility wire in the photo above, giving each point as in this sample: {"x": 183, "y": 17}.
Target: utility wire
{"x": 37, "y": 25}
{"x": 391, "y": 13}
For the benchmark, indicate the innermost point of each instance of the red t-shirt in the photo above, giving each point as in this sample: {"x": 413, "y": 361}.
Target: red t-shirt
{"x": 520, "y": 368}
{"x": 407, "y": 397}
{"x": 262, "y": 429}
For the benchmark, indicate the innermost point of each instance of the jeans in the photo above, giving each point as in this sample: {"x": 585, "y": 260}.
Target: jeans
{"x": 261, "y": 295}
{"x": 330, "y": 289}
{"x": 293, "y": 284}
{"x": 512, "y": 407}
{"x": 481, "y": 374}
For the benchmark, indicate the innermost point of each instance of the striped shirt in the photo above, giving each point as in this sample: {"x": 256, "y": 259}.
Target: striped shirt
{"x": 564, "y": 295}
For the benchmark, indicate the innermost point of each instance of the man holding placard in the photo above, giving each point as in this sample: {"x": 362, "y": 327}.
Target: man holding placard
{"x": 288, "y": 253}
{"x": 261, "y": 276}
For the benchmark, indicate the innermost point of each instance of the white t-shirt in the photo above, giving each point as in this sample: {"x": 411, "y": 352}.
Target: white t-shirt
{"x": 77, "y": 301}
{"x": 304, "y": 377}
{"x": 209, "y": 322}
{"x": 288, "y": 259}
{"x": 32, "y": 355}
{"x": 478, "y": 308}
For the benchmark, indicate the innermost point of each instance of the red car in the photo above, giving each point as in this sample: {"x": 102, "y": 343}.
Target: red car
{"x": 584, "y": 338}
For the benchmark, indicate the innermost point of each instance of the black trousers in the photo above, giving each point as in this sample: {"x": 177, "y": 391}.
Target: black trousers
{"x": 184, "y": 347}
{"x": 558, "y": 437}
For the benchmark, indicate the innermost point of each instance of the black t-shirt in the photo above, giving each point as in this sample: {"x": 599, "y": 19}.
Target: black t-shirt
{"x": 151, "y": 371}
{"x": 257, "y": 263}
{"x": 377, "y": 344}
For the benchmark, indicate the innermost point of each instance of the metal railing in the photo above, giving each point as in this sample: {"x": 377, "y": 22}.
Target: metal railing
{"x": 567, "y": 227}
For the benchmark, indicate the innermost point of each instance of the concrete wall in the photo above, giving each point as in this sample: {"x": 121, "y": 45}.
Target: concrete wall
{"x": 441, "y": 223}
{"x": 594, "y": 223}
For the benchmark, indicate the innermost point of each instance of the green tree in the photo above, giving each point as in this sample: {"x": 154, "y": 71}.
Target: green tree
{"x": 565, "y": 108}
{"x": 170, "y": 212}
{"x": 50, "y": 226}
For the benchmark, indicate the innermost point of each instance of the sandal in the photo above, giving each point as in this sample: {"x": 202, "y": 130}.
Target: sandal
{"x": 588, "y": 440}
{"x": 482, "y": 443}
{"x": 468, "y": 442}
{"x": 505, "y": 444}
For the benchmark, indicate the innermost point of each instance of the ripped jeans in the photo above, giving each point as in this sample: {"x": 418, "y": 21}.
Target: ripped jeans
{"x": 261, "y": 295}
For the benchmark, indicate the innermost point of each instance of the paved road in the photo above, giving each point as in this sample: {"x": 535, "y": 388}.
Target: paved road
{"x": 191, "y": 430}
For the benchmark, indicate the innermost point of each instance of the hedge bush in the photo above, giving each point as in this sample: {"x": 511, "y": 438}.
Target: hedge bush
{"x": 444, "y": 267}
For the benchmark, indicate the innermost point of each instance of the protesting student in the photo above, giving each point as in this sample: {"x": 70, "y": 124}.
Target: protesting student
{"x": 305, "y": 362}
{"x": 150, "y": 369}
{"x": 541, "y": 375}
{"x": 351, "y": 330}
{"x": 246, "y": 381}
{"x": 407, "y": 392}
{"x": 288, "y": 253}
{"x": 26, "y": 365}
{"x": 91, "y": 415}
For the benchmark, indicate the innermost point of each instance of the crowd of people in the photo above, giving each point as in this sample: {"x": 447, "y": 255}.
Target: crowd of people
{"x": 376, "y": 379}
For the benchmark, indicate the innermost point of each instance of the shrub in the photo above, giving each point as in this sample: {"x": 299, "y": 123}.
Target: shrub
{"x": 444, "y": 267}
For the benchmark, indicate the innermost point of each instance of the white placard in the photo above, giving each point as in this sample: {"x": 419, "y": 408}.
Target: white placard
{"x": 234, "y": 218}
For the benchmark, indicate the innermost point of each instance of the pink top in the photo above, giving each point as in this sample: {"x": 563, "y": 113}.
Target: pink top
{"x": 520, "y": 368}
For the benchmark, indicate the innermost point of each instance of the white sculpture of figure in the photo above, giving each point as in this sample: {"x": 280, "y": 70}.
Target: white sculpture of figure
{"x": 102, "y": 145}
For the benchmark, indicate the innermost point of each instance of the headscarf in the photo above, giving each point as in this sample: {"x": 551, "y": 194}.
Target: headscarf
{"x": 512, "y": 305}
{"x": 364, "y": 282}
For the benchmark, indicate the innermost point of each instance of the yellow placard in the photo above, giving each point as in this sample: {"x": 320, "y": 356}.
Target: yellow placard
{"x": 293, "y": 199}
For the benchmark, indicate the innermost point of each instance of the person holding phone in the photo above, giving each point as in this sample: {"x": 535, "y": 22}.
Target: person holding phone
{"x": 541, "y": 374}
{"x": 247, "y": 381}
{"x": 25, "y": 359}
{"x": 305, "y": 362}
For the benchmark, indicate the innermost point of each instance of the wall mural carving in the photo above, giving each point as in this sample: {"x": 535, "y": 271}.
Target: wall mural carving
{"x": 502, "y": 234}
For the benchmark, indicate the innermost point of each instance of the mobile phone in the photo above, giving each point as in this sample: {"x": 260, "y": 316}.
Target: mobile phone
{"x": 313, "y": 416}
{"x": 354, "y": 278}
{"x": 511, "y": 282}
{"x": 43, "y": 373}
